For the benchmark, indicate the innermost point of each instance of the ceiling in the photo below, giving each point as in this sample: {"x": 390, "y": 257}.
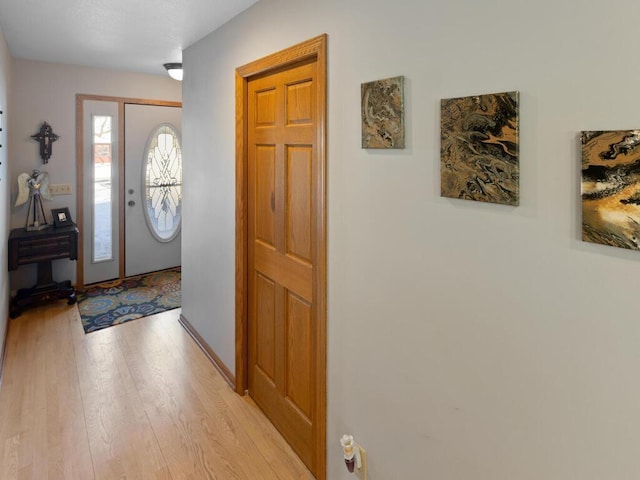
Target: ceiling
{"x": 132, "y": 35}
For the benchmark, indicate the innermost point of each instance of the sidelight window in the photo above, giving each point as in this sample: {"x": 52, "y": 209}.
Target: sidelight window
{"x": 102, "y": 197}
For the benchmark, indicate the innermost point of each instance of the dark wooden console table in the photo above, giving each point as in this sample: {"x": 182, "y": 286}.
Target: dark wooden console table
{"x": 41, "y": 247}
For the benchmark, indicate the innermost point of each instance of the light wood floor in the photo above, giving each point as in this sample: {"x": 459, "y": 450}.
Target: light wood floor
{"x": 136, "y": 401}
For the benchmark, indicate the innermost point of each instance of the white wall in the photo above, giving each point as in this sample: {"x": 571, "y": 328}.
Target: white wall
{"x": 47, "y": 92}
{"x": 465, "y": 340}
{"x": 5, "y": 77}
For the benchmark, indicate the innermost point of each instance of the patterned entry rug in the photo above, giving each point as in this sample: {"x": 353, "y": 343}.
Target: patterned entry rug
{"x": 119, "y": 301}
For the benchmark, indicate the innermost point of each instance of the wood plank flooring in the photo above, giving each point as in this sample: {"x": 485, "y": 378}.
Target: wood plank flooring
{"x": 136, "y": 401}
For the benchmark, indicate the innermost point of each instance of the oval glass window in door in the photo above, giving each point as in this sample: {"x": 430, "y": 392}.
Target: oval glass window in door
{"x": 162, "y": 182}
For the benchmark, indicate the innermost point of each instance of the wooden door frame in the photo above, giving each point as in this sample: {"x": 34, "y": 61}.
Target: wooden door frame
{"x": 313, "y": 48}
{"x": 121, "y": 101}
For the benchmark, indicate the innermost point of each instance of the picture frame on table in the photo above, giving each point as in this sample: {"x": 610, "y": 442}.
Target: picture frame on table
{"x": 61, "y": 217}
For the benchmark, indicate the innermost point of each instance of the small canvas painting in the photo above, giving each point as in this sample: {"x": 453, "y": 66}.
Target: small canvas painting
{"x": 611, "y": 188}
{"x": 479, "y": 149}
{"x": 383, "y": 113}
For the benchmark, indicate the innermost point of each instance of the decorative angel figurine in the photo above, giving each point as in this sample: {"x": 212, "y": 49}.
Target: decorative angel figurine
{"x": 34, "y": 187}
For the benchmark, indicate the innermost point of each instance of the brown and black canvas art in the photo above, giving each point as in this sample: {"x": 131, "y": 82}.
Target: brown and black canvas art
{"x": 383, "y": 113}
{"x": 611, "y": 188}
{"x": 479, "y": 149}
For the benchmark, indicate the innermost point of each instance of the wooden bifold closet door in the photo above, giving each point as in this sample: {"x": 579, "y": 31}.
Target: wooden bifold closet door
{"x": 281, "y": 158}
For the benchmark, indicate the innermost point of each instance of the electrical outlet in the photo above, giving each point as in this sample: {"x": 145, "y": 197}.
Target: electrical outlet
{"x": 361, "y": 473}
{"x": 60, "y": 189}
{"x": 355, "y": 456}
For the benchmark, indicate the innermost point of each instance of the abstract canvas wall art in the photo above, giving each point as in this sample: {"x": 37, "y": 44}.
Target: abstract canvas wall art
{"x": 479, "y": 149}
{"x": 383, "y": 113}
{"x": 611, "y": 188}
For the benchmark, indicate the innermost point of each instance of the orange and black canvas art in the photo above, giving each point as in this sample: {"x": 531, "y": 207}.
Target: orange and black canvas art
{"x": 611, "y": 188}
{"x": 479, "y": 148}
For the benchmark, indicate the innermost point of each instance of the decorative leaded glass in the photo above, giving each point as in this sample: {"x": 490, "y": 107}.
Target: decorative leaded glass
{"x": 162, "y": 177}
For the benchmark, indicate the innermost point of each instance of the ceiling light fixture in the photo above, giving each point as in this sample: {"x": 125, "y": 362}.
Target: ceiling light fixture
{"x": 174, "y": 70}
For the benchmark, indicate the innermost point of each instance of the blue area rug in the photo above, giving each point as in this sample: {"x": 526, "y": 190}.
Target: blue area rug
{"x": 119, "y": 301}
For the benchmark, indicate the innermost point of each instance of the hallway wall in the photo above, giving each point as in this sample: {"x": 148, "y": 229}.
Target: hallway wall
{"x": 5, "y": 80}
{"x": 465, "y": 340}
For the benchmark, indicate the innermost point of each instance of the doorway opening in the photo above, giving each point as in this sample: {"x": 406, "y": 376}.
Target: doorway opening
{"x": 113, "y": 200}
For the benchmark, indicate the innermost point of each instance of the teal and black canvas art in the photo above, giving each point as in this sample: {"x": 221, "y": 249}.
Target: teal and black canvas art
{"x": 383, "y": 113}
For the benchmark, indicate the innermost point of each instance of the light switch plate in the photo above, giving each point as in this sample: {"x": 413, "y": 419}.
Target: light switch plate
{"x": 60, "y": 189}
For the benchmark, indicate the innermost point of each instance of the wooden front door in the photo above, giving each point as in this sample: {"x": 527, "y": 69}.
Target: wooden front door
{"x": 286, "y": 254}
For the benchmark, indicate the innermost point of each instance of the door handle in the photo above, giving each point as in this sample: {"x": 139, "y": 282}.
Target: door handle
{"x": 131, "y": 203}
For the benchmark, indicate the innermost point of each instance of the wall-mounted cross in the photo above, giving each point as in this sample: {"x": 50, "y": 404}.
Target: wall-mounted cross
{"x": 46, "y": 137}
